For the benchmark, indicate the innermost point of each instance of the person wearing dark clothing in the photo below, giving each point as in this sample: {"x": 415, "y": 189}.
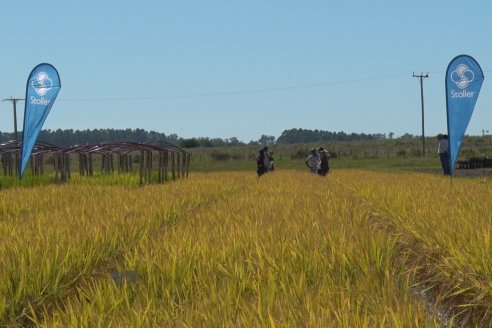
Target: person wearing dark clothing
{"x": 266, "y": 159}
{"x": 260, "y": 163}
{"x": 443, "y": 150}
{"x": 323, "y": 167}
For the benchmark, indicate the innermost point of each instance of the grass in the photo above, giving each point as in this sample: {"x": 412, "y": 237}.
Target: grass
{"x": 393, "y": 164}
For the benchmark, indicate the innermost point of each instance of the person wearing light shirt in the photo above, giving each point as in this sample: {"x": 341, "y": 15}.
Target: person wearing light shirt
{"x": 312, "y": 161}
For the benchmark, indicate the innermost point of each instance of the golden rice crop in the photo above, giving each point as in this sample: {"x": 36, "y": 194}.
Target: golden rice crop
{"x": 449, "y": 223}
{"x": 228, "y": 249}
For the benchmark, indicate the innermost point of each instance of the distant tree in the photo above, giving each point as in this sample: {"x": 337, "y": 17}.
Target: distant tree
{"x": 217, "y": 142}
{"x": 189, "y": 143}
{"x": 407, "y": 136}
{"x": 266, "y": 140}
{"x": 233, "y": 141}
{"x": 391, "y": 135}
{"x": 205, "y": 142}
{"x": 172, "y": 138}
{"x": 69, "y": 137}
{"x": 293, "y": 136}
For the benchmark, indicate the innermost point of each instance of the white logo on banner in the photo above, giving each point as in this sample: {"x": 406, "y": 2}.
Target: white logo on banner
{"x": 462, "y": 76}
{"x": 42, "y": 83}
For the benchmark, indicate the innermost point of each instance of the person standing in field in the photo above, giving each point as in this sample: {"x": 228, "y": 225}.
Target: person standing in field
{"x": 266, "y": 160}
{"x": 312, "y": 161}
{"x": 260, "y": 163}
{"x": 323, "y": 166}
{"x": 443, "y": 151}
{"x": 271, "y": 166}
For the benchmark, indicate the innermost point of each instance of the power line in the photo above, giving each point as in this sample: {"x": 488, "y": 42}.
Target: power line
{"x": 243, "y": 92}
{"x": 248, "y": 91}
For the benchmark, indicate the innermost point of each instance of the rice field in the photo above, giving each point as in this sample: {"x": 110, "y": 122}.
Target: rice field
{"x": 355, "y": 249}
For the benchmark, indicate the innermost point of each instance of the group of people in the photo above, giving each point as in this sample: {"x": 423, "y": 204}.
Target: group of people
{"x": 443, "y": 150}
{"x": 264, "y": 162}
{"x": 317, "y": 161}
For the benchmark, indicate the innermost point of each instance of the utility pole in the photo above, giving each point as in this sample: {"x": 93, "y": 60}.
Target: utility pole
{"x": 14, "y": 102}
{"x": 421, "y": 78}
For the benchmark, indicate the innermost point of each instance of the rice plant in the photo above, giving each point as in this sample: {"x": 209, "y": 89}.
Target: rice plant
{"x": 355, "y": 249}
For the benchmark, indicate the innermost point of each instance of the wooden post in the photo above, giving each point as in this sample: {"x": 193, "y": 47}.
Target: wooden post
{"x": 149, "y": 166}
{"x": 86, "y": 164}
{"x": 16, "y": 164}
{"x": 159, "y": 172}
{"x": 178, "y": 164}
{"x": 11, "y": 164}
{"x": 120, "y": 163}
{"x": 91, "y": 171}
{"x": 38, "y": 164}
{"x": 62, "y": 167}
{"x": 183, "y": 166}
{"x": 141, "y": 166}
{"x": 4, "y": 165}
{"x": 81, "y": 164}
{"x": 41, "y": 164}
{"x": 124, "y": 163}
{"x": 55, "y": 165}
{"x": 188, "y": 160}
{"x": 149, "y": 163}
{"x": 31, "y": 163}
{"x": 173, "y": 166}
{"x": 108, "y": 163}
{"x": 166, "y": 161}
{"x": 67, "y": 161}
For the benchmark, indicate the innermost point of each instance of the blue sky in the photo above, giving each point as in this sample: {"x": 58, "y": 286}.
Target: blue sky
{"x": 245, "y": 68}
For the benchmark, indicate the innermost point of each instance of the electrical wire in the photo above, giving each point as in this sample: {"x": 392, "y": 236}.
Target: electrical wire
{"x": 251, "y": 91}
{"x": 243, "y": 92}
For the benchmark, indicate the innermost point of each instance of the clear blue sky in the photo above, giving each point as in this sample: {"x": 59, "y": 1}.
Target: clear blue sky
{"x": 248, "y": 67}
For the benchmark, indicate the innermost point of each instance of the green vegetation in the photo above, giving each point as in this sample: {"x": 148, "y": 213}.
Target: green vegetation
{"x": 398, "y": 155}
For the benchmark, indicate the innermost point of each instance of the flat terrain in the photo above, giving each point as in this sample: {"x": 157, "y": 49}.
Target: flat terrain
{"x": 355, "y": 249}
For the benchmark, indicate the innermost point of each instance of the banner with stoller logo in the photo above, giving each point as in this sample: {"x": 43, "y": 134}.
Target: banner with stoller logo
{"x": 464, "y": 79}
{"x": 43, "y": 85}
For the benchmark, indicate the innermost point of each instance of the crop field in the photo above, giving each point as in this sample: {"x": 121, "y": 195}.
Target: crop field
{"x": 291, "y": 249}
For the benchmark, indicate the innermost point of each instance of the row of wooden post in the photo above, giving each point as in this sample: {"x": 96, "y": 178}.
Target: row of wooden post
{"x": 10, "y": 164}
{"x": 179, "y": 162}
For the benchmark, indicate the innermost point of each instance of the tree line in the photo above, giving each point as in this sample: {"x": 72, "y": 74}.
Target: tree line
{"x": 69, "y": 137}
{"x": 294, "y": 136}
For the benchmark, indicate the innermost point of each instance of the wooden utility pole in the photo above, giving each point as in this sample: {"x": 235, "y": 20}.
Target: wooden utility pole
{"x": 14, "y": 103}
{"x": 421, "y": 79}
